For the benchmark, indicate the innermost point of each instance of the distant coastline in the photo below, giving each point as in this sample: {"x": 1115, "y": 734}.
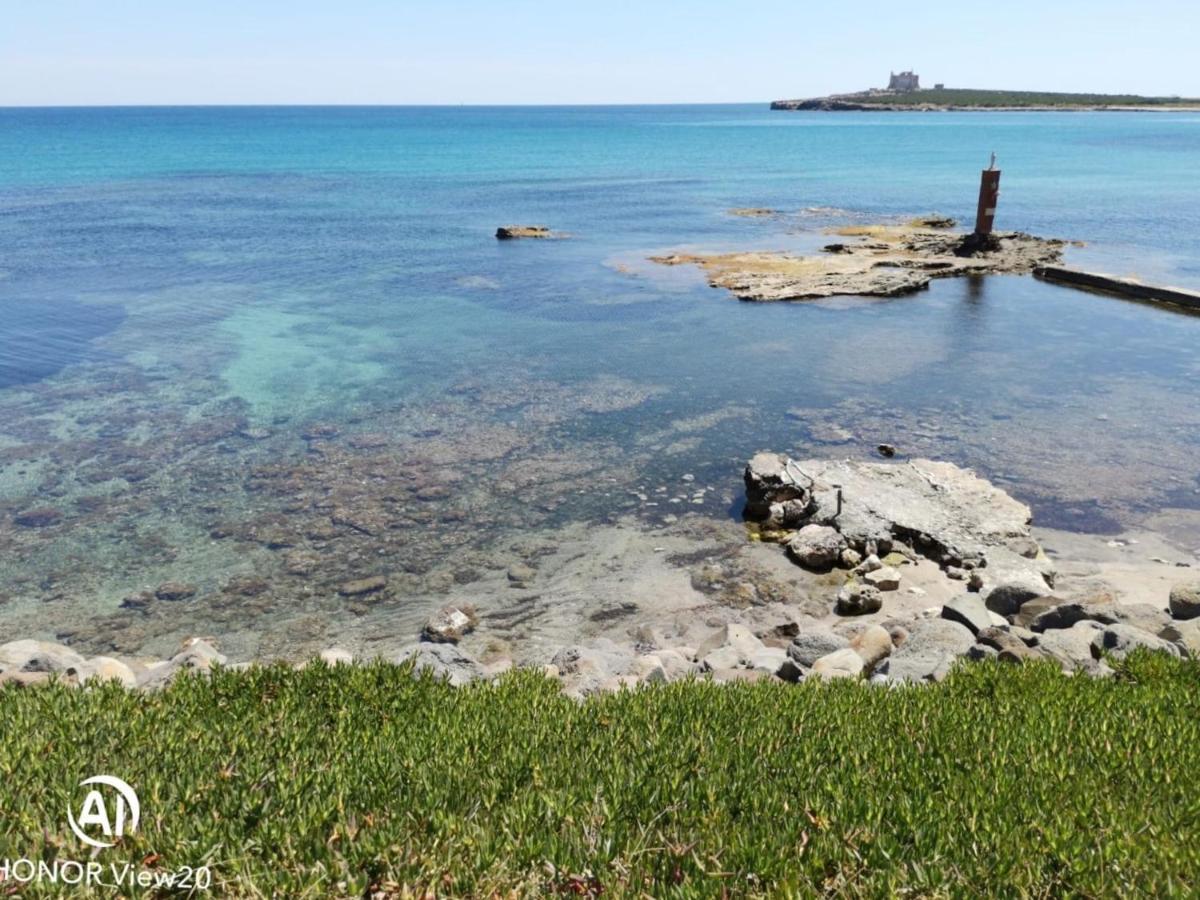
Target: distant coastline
{"x": 965, "y": 99}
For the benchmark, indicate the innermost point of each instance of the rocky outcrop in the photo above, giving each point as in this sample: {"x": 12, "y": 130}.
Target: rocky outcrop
{"x": 922, "y": 507}
{"x": 878, "y": 260}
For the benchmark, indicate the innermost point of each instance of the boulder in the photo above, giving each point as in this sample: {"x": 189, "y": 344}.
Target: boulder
{"x": 1007, "y": 597}
{"x": 444, "y": 661}
{"x": 584, "y": 670}
{"x": 1185, "y": 635}
{"x": 361, "y": 586}
{"x": 816, "y": 546}
{"x": 968, "y": 610}
{"x": 676, "y": 665}
{"x": 768, "y": 659}
{"x": 450, "y": 623}
{"x": 858, "y": 600}
{"x": 1119, "y": 640}
{"x": 196, "y": 655}
{"x": 809, "y": 646}
{"x": 1071, "y": 647}
{"x": 1185, "y": 600}
{"x": 40, "y": 656}
{"x": 777, "y": 492}
{"x": 931, "y": 649}
{"x": 873, "y": 644}
{"x": 105, "y": 668}
{"x": 1064, "y": 615}
{"x": 1007, "y": 645}
{"x": 736, "y": 636}
{"x": 649, "y": 669}
{"x": 1031, "y": 609}
{"x": 721, "y": 658}
{"x": 175, "y": 591}
{"x": 844, "y": 663}
{"x": 521, "y": 575}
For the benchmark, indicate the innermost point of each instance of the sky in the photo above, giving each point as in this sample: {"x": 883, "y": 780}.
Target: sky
{"x": 102, "y": 52}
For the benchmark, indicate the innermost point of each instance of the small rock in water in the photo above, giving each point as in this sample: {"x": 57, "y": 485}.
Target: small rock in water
{"x": 175, "y": 590}
{"x": 513, "y": 232}
{"x": 521, "y": 575}
{"x": 41, "y": 517}
{"x": 449, "y": 624}
{"x": 886, "y": 450}
{"x": 362, "y": 586}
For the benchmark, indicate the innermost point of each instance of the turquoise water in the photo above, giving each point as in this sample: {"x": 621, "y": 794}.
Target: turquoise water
{"x": 252, "y": 322}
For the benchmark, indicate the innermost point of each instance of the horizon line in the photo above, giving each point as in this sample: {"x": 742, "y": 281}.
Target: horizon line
{"x": 301, "y": 105}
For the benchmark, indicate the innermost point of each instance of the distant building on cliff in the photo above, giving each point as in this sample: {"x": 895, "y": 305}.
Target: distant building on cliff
{"x": 904, "y": 82}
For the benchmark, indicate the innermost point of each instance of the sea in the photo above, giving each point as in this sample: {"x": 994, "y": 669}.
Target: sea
{"x": 252, "y": 355}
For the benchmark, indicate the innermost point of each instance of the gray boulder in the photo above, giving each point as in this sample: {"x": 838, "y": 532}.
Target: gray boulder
{"x": 816, "y": 546}
{"x": 196, "y": 656}
{"x": 40, "y": 656}
{"x": 1007, "y": 645}
{"x": 1185, "y": 600}
{"x": 1185, "y": 635}
{"x": 858, "y": 600}
{"x": 1071, "y": 647}
{"x": 1120, "y": 640}
{"x": 931, "y": 649}
{"x": 809, "y": 646}
{"x": 1007, "y": 597}
{"x": 968, "y": 610}
{"x": 445, "y": 661}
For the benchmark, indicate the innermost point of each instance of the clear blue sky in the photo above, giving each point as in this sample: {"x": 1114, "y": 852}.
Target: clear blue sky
{"x": 578, "y": 51}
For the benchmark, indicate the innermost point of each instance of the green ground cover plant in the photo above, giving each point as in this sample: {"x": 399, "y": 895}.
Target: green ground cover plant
{"x": 367, "y": 781}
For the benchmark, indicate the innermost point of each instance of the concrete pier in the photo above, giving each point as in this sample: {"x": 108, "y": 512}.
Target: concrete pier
{"x": 1121, "y": 287}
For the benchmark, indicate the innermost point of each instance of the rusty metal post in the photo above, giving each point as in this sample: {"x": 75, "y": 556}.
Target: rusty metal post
{"x": 989, "y": 194}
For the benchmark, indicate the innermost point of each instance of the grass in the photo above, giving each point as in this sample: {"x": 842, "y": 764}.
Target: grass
{"x": 984, "y": 98}
{"x": 365, "y": 781}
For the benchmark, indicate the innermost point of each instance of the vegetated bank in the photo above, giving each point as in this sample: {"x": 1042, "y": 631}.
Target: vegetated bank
{"x": 365, "y": 781}
{"x": 972, "y": 99}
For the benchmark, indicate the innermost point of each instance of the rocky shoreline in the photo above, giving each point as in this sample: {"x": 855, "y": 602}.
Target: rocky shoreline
{"x": 874, "y": 543}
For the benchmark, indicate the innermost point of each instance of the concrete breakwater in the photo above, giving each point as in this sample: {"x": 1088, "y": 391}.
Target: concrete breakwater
{"x": 1129, "y": 288}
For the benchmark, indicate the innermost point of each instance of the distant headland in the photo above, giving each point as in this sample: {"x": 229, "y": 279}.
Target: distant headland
{"x": 904, "y": 93}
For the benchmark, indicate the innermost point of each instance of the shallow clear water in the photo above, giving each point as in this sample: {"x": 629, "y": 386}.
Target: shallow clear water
{"x": 283, "y": 342}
